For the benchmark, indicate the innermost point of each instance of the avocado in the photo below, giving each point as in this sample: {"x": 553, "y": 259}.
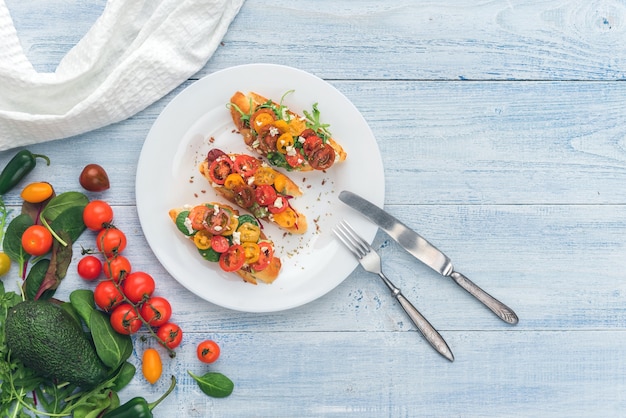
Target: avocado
{"x": 48, "y": 340}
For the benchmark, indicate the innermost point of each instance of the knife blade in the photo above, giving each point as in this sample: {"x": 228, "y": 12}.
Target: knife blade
{"x": 424, "y": 251}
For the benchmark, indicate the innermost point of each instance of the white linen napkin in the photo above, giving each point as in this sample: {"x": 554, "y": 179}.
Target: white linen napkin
{"x": 135, "y": 53}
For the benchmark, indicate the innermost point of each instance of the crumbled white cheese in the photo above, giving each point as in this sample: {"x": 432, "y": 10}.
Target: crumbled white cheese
{"x": 188, "y": 226}
{"x": 216, "y": 209}
{"x": 278, "y": 203}
{"x": 255, "y": 144}
{"x": 217, "y": 228}
{"x": 291, "y": 151}
{"x": 274, "y": 131}
{"x": 236, "y": 237}
{"x": 301, "y": 139}
{"x": 250, "y": 180}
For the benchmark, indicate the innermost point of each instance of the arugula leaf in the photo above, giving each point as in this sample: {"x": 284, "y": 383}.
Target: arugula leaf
{"x": 313, "y": 122}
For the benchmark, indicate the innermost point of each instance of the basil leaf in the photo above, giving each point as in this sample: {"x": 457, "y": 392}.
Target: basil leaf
{"x": 180, "y": 223}
{"x": 112, "y": 348}
{"x": 214, "y": 384}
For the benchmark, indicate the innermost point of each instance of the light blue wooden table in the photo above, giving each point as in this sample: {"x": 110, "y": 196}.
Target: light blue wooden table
{"x": 502, "y": 131}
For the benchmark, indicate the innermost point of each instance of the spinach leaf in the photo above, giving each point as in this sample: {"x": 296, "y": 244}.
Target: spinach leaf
{"x": 82, "y": 300}
{"x": 12, "y": 244}
{"x": 112, "y": 348}
{"x": 58, "y": 205}
{"x": 124, "y": 376}
{"x": 70, "y": 221}
{"x": 35, "y": 279}
{"x": 214, "y": 384}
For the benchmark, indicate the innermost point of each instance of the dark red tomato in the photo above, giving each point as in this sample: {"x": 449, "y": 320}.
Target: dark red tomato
{"x": 156, "y": 311}
{"x": 89, "y": 267}
{"x": 125, "y": 319}
{"x": 208, "y": 351}
{"x": 138, "y": 286}
{"x": 307, "y": 133}
{"x": 244, "y": 196}
{"x": 197, "y": 216}
{"x": 265, "y": 257}
{"x": 246, "y": 165}
{"x": 170, "y": 334}
{"x": 322, "y": 158}
{"x": 220, "y": 169}
{"x": 218, "y": 221}
{"x": 219, "y": 243}
{"x": 97, "y": 215}
{"x": 233, "y": 259}
{"x": 116, "y": 267}
{"x": 37, "y": 240}
{"x": 280, "y": 204}
{"x": 94, "y": 178}
{"x": 311, "y": 143}
{"x": 214, "y": 154}
{"x": 106, "y": 295}
{"x": 265, "y": 195}
{"x": 111, "y": 241}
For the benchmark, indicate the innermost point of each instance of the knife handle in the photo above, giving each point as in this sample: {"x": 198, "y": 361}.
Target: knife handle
{"x": 504, "y": 312}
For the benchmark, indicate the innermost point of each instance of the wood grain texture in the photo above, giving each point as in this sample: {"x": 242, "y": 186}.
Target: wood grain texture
{"x": 501, "y": 127}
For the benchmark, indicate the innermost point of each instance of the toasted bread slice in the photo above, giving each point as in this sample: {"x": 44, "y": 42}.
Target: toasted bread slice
{"x": 253, "y": 186}
{"x": 203, "y": 222}
{"x": 287, "y": 139}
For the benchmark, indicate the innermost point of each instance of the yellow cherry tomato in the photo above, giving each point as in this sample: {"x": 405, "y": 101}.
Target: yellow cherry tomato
{"x": 151, "y": 365}
{"x": 5, "y": 264}
{"x": 286, "y": 218}
{"x": 233, "y": 180}
{"x": 265, "y": 175}
{"x": 280, "y": 183}
{"x": 261, "y": 119}
{"x": 252, "y": 251}
{"x": 284, "y": 142}
{"x": 37, "y": 192}
{"x": 281, "y": 125}
{"x": 248, "y": 232}
{"x": 202, "y": 239}
{"x": 296, "y": 126}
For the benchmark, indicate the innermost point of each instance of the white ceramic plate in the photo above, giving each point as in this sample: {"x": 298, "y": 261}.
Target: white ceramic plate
{"x": 197, "y": 120}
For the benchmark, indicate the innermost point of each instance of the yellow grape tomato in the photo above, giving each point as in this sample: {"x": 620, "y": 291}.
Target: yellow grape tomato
{"x": 151, "y": 365}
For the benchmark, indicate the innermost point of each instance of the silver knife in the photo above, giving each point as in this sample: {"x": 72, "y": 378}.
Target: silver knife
{"x": 424, "y": 251}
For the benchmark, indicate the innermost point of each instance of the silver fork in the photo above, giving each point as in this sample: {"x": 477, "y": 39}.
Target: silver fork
{"x": 370, "y": 260}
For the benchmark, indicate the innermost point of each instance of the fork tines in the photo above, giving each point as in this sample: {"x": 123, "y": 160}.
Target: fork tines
{"x": 351, "y": 239}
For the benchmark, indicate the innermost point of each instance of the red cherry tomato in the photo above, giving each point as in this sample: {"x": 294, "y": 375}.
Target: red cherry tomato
{"x": 280, "y": 204}
{"x": 116, "y": 267}
{"x": 107, "y": 296}
{"x": 94, "y": 178}
{"x": 219, "y": 243}
{"x": 197, "y": 216}
{"x": 138, "y": 286}
{"x": 246, "y": 165}
{"x": 111, "y": 241}
{"x": 37, "y": 240}
{"x": 233, "y": 259}
{"x": 170, "y": 334}
{"x": 220, "y": 169}
{"x": 208, "y": 351}
{"x": 265, "y": 256}
{"x": 125, "y": 319}
{"x": 97, "y": 214}
{"x": 156, "y": 311}
{"x": 89, "y": 267}
{"x": 265, "y": 194}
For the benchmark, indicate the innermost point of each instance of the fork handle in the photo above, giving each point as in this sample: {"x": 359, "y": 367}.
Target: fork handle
{"x": 425, "y": 328}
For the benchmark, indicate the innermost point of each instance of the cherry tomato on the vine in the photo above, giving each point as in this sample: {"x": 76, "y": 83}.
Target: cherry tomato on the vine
{"x": 138, "y": 286}
{"x": 37, "y": 240}
{"x": 115, "y": 267}
{"x": 89, "y": 267}
{"x": 125, "y": 320}
{"x": 97, "y": 214}
{"x": 170, "y": 334}
{"x": 208, "y": 351}
{"x": 107, "y": 296}
{"x": 156, "y": 311}
{"x": 111, "y": 241}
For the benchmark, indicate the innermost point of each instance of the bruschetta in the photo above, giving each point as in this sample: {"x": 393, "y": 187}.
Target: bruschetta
{"x": 256, "y": 187}
{"x": 287, "y": 139}
{"x": 234, "y": 242}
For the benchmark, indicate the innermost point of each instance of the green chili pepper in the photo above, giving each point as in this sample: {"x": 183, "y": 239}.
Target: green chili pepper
{"x": 138, "y": 407}
{"x": 21, "y": 164}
